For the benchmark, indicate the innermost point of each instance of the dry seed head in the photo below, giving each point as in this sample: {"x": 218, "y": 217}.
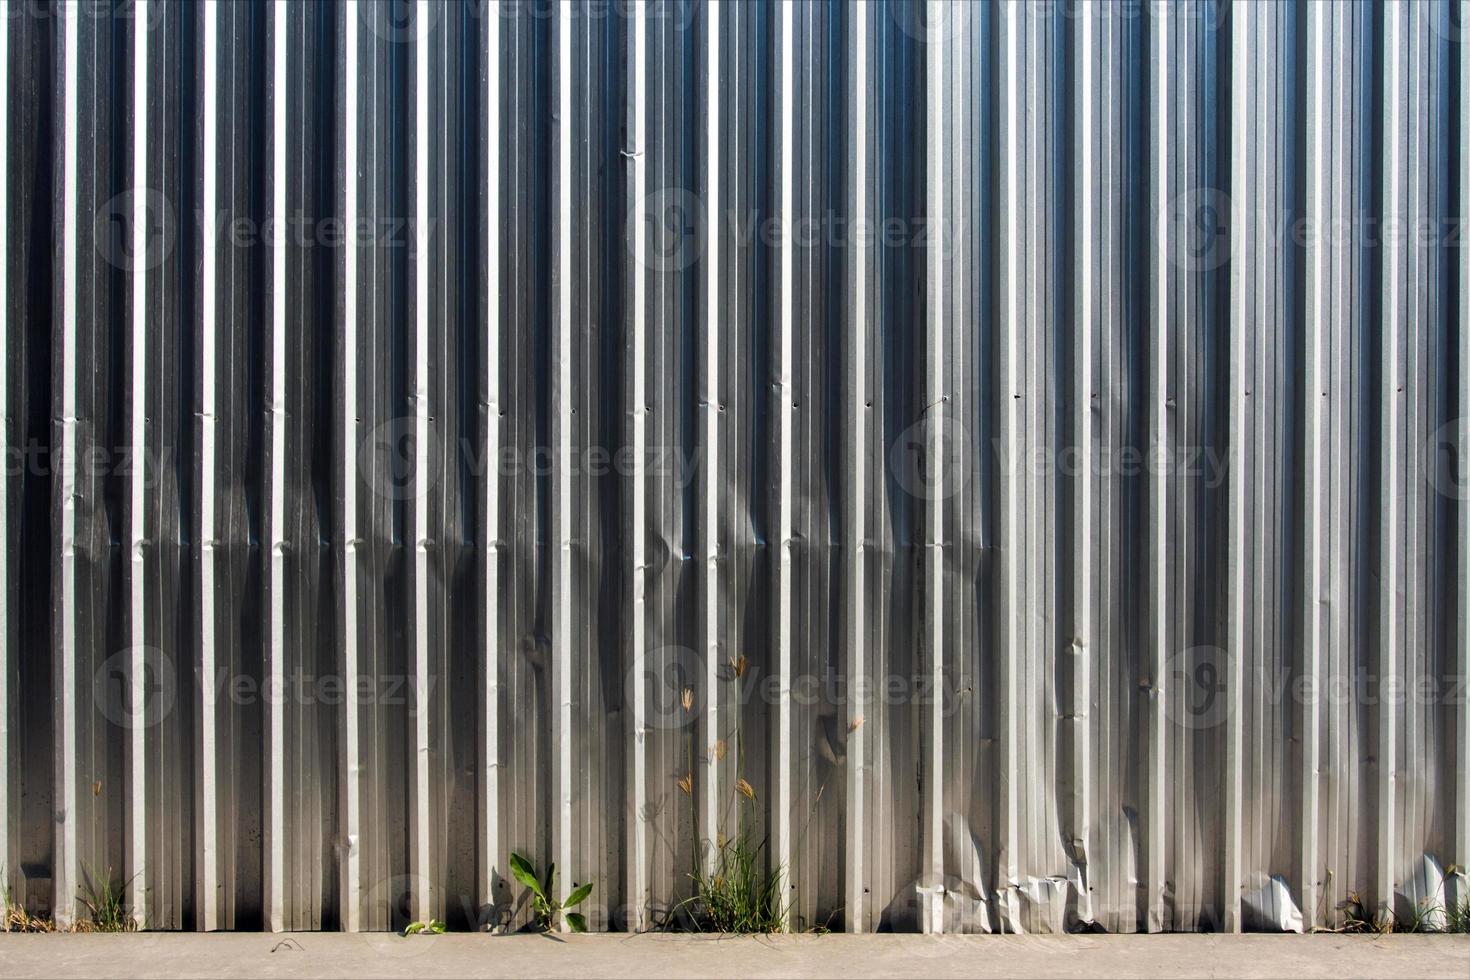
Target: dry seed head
{"x": 744, "y": 788}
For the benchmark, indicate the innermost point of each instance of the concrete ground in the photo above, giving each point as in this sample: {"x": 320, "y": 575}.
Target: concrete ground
{"x": 424, "y": 957}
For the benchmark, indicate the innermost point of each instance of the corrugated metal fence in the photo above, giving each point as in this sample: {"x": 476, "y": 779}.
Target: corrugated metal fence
{"x": 1010, "y": 457}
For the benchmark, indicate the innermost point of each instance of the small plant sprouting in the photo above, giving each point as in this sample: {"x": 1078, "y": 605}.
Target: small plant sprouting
{"x": 735, "y": 893}
{"x": 1457, "y": 917}
{"x": 14, "y": 917}
{"x": 431, "y": 928}
{"x": 105, "y": 904}
{"x": 1421, "y": 919}
{"x": 1457, "y": 913}
{"x": 735, "y": 888}
{"x": 107, "y": 911}
{"x": 544, "y": 903}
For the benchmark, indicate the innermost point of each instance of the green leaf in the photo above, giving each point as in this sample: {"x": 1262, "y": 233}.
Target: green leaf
{"x": 525, "y": 873}
{"x": 576, "y": 897}
{"x": 437, "y": 927}
{"x": 414, "y": 928}
{"x": 576, "y": 921}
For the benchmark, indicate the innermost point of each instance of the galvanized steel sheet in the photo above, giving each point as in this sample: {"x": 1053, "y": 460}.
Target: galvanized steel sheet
{"x": 1009, "y": 457}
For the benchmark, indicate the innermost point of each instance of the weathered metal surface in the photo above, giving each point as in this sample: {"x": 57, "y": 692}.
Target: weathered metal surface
{"x": 1031, "y": 433}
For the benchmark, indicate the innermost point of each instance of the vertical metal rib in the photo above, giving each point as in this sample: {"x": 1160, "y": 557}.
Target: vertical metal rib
{"x": 1346, "y": 531}
{"x": 1427, "y": 402}
{"x": 858, "y": 914}
{"x": 350, "y": 771}
{"x": 64, "y": 862}
{"x": 1090, "y": 312}
{"x": 138, "y": 870}
{"x": 1115, "y": 661}
{"x": 1011, "y": 354}
{"x": 1316, "y": 597}
{"x": 275, "y": 669}
{"x": 421, "y": 831}
{"x": 9, "y": 808}
{"x": 1462, "y": 650}
{"x": 785, "y": 421}
{"x": 1243, "y": 281}
{"x": 1395, "y": 94}
{"x": 1157, "y": 604}
{"x": 206, "y": 819}
{"x": 709, "y": 405}
{"x": 562, "y": 401}
{"x": 932, "y": 912}
{"x": 384, "y": 738}
{"x": 491, "y": 852}
{"x": 638, "y": 330}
